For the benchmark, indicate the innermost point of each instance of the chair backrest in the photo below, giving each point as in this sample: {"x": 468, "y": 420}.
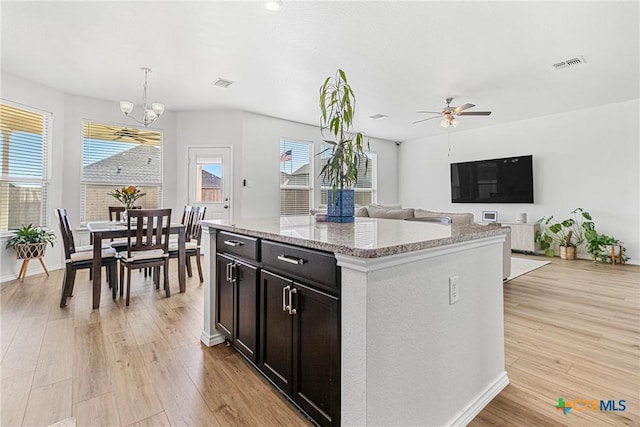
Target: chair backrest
{"x": 153, "y": 232}
{"x": 186, "y": 215}
{"x": 115, "y": 212}
{"x": 195, "y": 233}
{"x": 67, "y": 234}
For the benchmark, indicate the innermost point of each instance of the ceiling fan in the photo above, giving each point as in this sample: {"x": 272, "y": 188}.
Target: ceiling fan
{"x": 449, "y": 114}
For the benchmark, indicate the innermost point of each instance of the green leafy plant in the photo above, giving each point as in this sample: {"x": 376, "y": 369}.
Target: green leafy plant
{"x": 569, "y": 232}
{"x": 29, "y": 234}
{"x": 337, "y": 107}
{"x": 596, "y": 245}
{"x": 546, "y": 242}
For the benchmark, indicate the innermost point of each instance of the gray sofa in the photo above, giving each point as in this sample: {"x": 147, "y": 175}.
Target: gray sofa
{"x": 455, "y": 218}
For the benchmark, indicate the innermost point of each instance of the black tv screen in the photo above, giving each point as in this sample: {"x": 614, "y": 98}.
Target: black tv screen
{"x": 506, "y": 180}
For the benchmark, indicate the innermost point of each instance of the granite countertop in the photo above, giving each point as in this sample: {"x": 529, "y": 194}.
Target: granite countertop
{"x": 364, "y": 238}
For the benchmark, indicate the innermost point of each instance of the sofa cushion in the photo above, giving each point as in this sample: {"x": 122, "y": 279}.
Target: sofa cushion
{"x": 362, "y": 212}
{"x": 457, "y": 218}
{"x": 375, "y": 211}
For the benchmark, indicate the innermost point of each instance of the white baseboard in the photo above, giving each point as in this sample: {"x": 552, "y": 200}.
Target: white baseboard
{"x": 211, "y": 340}
{"x": 34, "y": 268}
{"x": 476, "y": 405}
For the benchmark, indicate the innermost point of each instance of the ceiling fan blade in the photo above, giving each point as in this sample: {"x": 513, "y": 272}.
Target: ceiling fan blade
{"x": 428, "y": 118}
{"x": 456, "y": 110}
{"x": 475, "y": 113}
{"x": 430, "y": 112}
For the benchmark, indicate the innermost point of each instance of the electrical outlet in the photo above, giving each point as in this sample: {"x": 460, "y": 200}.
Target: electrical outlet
{"x": 454, "y": 295}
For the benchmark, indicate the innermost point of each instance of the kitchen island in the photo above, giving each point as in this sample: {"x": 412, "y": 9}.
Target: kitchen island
{"x": 419, "y": 313}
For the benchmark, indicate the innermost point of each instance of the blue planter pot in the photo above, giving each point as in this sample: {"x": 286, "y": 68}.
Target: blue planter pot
{"x": 341, "y": 209}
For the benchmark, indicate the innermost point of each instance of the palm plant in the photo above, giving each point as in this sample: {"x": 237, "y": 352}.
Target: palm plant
{"x": 347, "y": 149}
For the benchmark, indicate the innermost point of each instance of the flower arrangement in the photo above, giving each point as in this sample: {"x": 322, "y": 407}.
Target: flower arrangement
{"x": 127, "y": 195}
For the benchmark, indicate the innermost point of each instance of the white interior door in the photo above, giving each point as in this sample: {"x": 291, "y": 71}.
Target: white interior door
{"x": 210, "y": 181}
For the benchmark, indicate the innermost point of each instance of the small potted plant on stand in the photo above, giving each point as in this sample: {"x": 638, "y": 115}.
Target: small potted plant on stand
{"x": 337, "y": 107}
{"x": 30, "y": 243}
{"x": 603, "y": 247}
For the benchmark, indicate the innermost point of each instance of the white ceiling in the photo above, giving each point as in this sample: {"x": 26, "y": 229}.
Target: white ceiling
{"x": 400, "y": 57}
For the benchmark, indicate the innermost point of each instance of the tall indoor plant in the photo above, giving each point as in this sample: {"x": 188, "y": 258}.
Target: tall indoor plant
{"x": 346, "y": 148}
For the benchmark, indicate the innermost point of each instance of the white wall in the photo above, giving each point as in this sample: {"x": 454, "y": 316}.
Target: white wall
{"x": 18, "y": 90}
{"x": 66, "y": 152}
{"x": 588, "y": 158}
{"x": 253, "y": 139}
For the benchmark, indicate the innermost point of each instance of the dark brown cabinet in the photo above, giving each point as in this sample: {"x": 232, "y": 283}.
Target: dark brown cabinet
{"x": 237, "y": 303}
{"x": 300, "y": 336}
{"x": 279, "y": 305}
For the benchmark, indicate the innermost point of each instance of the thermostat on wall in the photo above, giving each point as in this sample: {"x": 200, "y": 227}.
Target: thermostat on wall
{"x": 489, "y": 216}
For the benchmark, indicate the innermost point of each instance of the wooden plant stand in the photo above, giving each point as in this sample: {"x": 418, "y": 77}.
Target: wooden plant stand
{"x": 28, "y": 252}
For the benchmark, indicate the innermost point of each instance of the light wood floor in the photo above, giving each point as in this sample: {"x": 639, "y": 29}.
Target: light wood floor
{"x": 572, "y": 330}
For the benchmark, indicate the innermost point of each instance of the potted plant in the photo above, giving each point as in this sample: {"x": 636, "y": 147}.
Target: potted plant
{"x": 127, "y": 195}
{"x": 568, "y": 233}
{"x": 30, "y": 243}
{"x": 347, "y": 149}
{"x": 603, "y": 247}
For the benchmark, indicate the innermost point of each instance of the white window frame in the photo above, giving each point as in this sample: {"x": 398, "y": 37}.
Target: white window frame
{"x": 115, "y": 184}
{"x": 310, "y": 187}
{"x": 44, "y": 181}
{"x": 373, "y": 169}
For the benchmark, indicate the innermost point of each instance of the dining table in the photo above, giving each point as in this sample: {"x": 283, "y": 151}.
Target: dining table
{"x": 101, "y": 230}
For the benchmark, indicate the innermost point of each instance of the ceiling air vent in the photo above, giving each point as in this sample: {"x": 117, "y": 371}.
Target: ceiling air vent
{"x": 378, "y": 116}
{"x": 223, "y": 83}
{"x": 579, "y": 60}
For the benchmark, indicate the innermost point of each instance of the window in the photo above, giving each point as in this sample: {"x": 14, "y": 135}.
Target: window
{"x": 296, "y": 170}
{"x": 24, "y": 166}
{"x": 366, "y": 187}
{"x": 208, "y": 179}
{"x": 116, "y": 156}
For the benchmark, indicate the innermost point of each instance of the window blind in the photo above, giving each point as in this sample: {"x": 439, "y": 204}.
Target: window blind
{"x": 24, "y": 165}
{"x": 366, "y": 187}
{"x": 113, "y": 157}
{"x": 296, "y": 172}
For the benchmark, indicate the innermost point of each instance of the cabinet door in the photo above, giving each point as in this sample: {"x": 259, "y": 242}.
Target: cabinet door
{"x": 316, "y": 358}
{"x": 246, "y": 333}
{"x": 275, "y": 330}
{"x": 224, "y": 296}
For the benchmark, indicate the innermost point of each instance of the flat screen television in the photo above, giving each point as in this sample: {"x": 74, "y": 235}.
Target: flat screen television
{"x": 506, "y": 180}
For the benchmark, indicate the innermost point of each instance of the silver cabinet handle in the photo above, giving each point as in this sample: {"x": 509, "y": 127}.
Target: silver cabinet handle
{"x": 233, "y": 243}
{"x": 285, "y": 307}
{"x": 291, "y": 260}
{"x": 229, "y": 264}
{"x": 234, "y": 277}
{"x": 291, "y": 309}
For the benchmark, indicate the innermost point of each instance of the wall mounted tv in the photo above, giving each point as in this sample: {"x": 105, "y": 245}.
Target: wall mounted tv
{"x": 506, "y": 180}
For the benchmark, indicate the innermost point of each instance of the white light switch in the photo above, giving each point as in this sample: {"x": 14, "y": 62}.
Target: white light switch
{"x": 454, "y": 295}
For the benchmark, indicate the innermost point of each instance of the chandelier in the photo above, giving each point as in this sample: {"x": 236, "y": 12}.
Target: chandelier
{"x": 151, "y": 113}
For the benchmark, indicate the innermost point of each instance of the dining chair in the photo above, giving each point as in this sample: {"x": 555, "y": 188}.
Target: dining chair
{"x": 115, "y": 214}
{"x": 147, "y": 245}
{"x": 193, "y": 235}
{"x": 80, "y": 257}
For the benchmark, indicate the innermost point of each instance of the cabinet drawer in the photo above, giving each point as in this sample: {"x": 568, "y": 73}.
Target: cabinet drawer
{"x": 236, "y": 244}
{"x": 315, "y": 267}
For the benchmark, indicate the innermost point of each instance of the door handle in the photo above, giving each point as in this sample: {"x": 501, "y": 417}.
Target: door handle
{"x": 229, "y": 264}
{"x": 291, "y": 309}
{"x": 291, "y": 260}
{"x": 226, "y": 206}
{"x": 285, "y": 307}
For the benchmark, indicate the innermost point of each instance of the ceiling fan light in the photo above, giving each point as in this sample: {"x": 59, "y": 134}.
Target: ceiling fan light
{"x": 126, "y": 107}
{"x": 444, "y": 123}
{"x": 454, "y": 123}
{"x": 273, "y": 5}
{"x": 157, "y": 108}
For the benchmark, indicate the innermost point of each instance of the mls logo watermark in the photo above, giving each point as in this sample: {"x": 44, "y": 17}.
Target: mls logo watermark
{"x": 582, "y": 405}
